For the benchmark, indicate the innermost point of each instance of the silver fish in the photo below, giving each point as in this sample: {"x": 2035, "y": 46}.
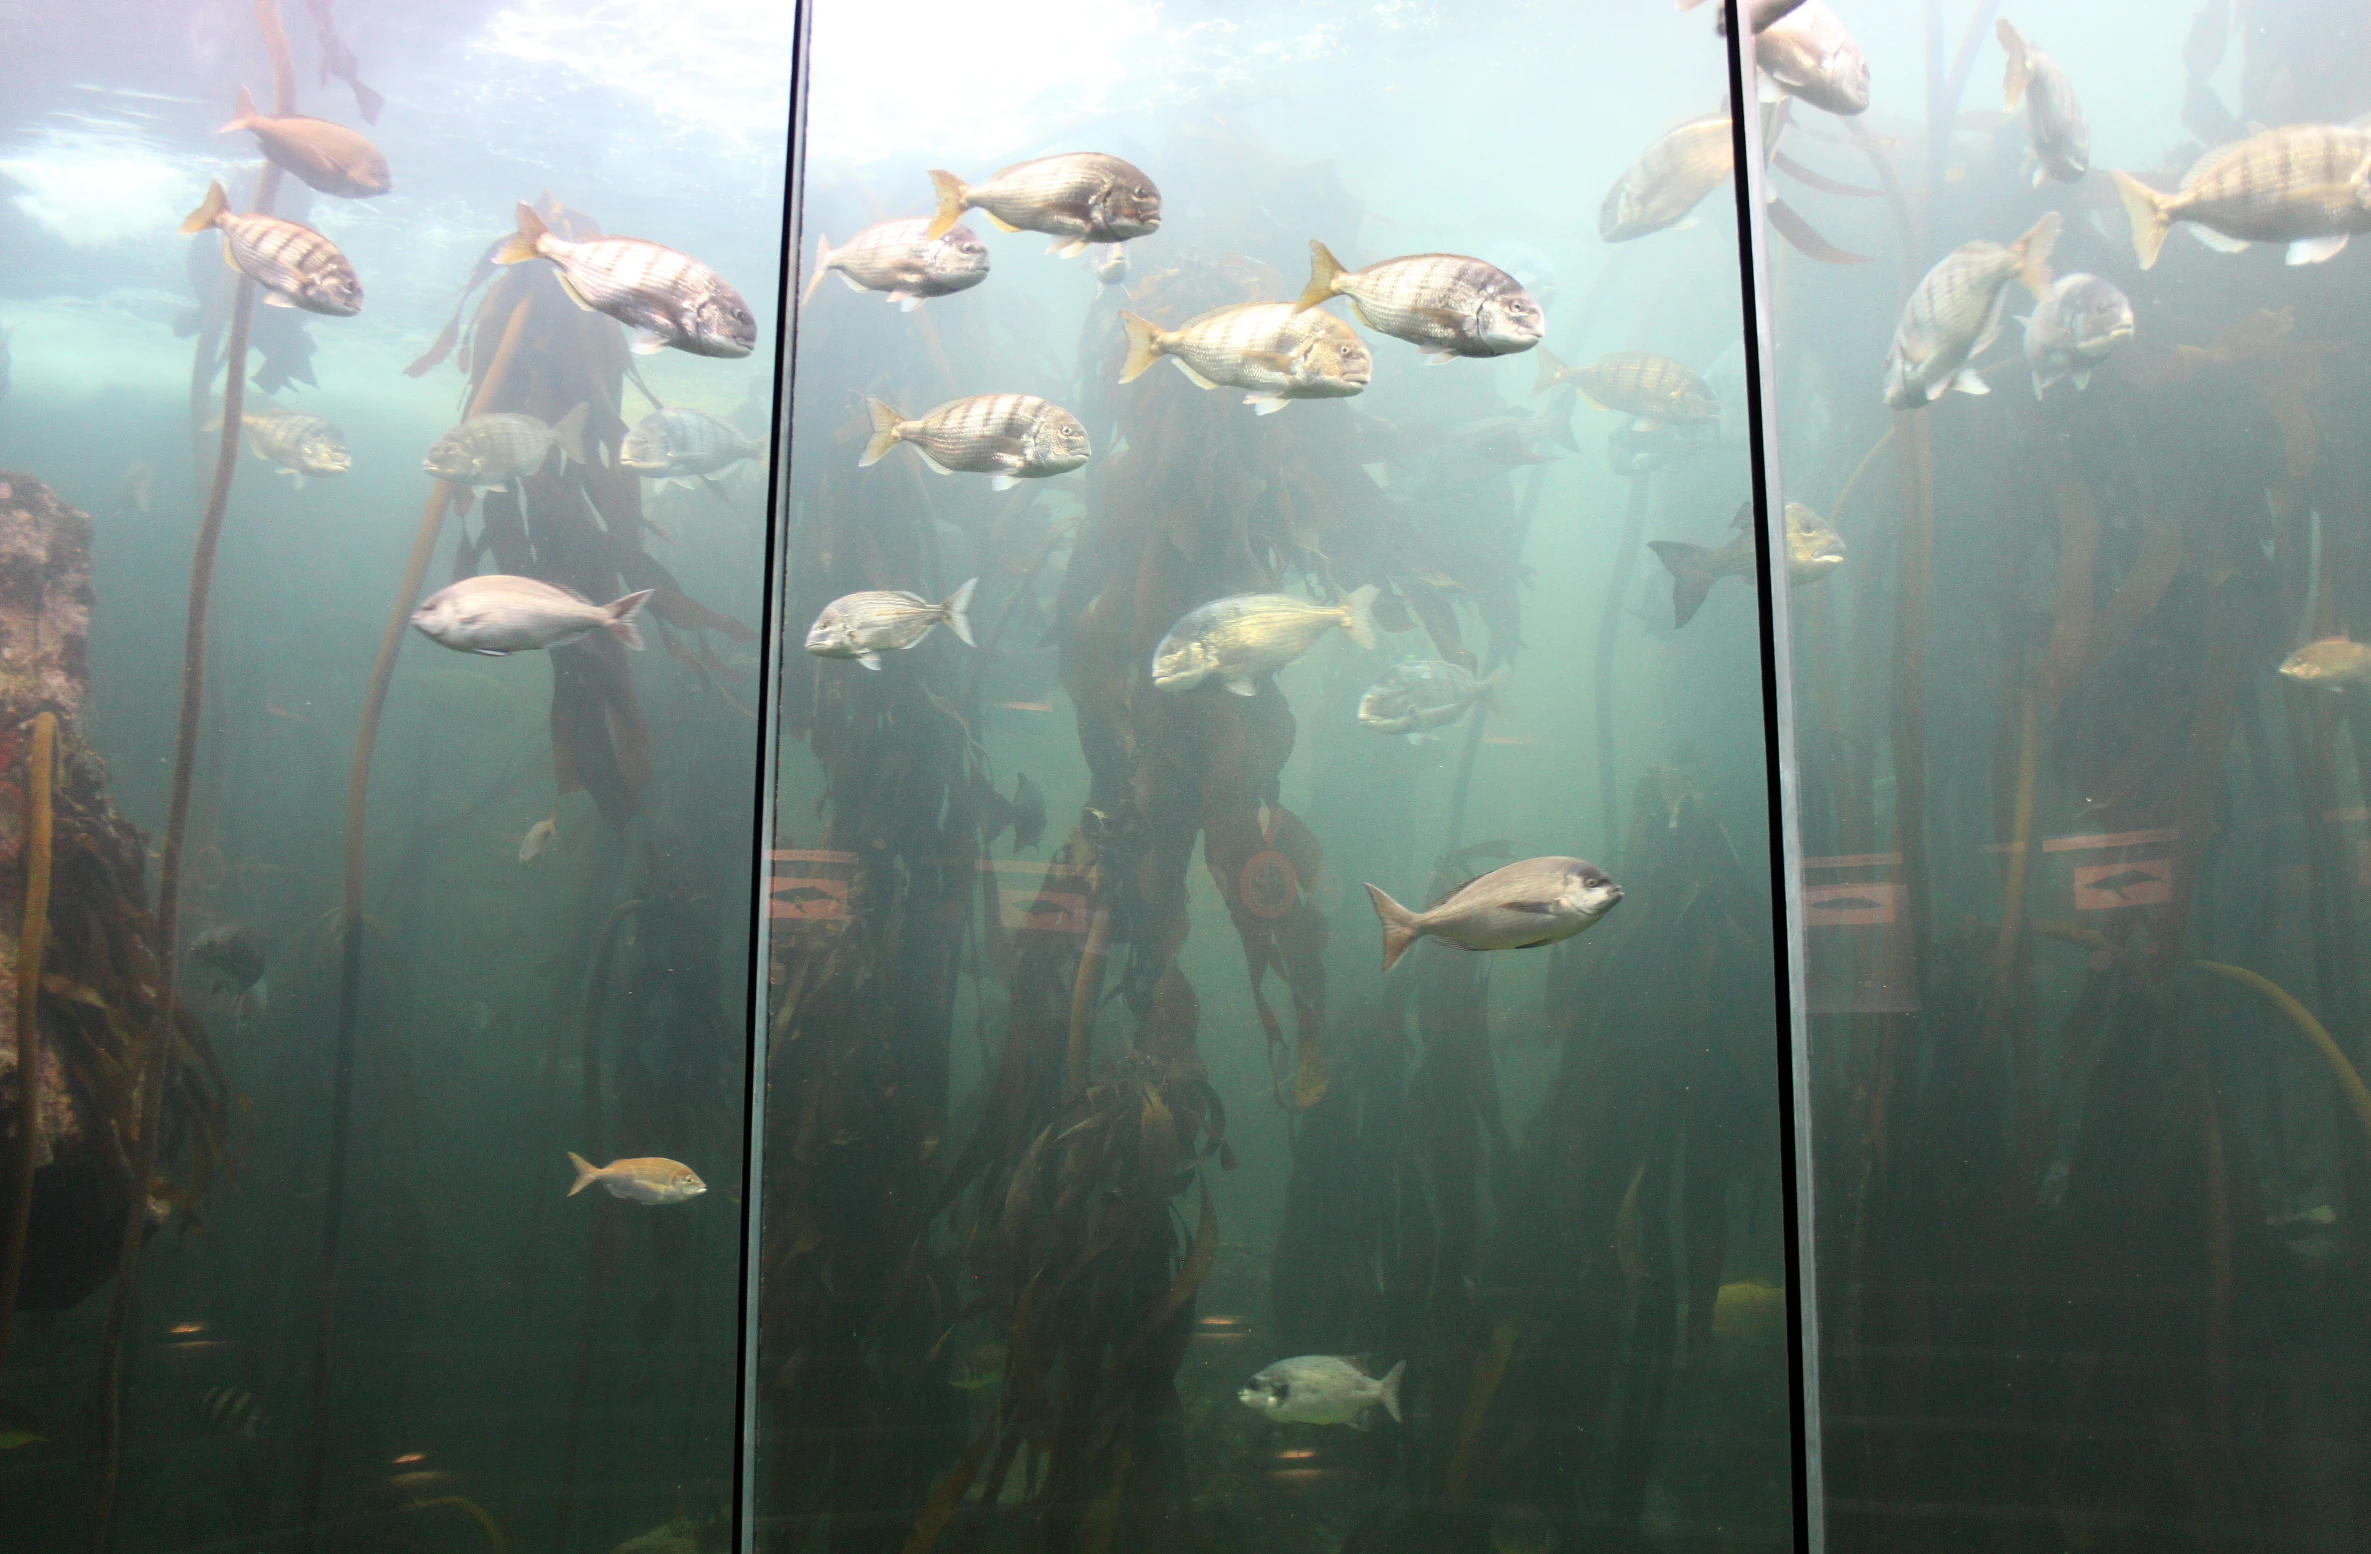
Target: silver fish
{"x": 1808, "y": 54}
{"x": 1424, "y": 694}
{"x": 1663, "y": 185}
{"x": 2073, "y": 329}
{"x": 1955, "y": 315}
{"x": 237, "y": 955}
{"x": 1323, "y": 1389}
{"x": 495, "y": 614}
{"x": 901, "y": 258}
{"x": 1813, "y": 550}
{"x": 1111, "y": 264}
{"x": 2308, "y": 186}
{"x": 1274, "y": 349}
{"x": 325, "y": 156}
{"x": 299, "y": 443}
{"x": 1237, "y": 639}
{"x": 2332, "y": 664}
{"x": 1078, "y": 198}
{"x": 1450, "y": 304}
{"x": 296, "y": 266}
{"x": 1013, "y": 437}
{"x": 682, "y": 445}
{"x": 2054, "y": 124}
{"x": 1519, "y": 907}
{"x": 499, "y": 448}
{"x": 651, "y": 1179}
{"x": 863, "y": 626}
{"x": 665, "y": 298}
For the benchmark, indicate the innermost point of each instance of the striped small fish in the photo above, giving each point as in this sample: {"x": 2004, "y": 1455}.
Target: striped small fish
{"x": 1661, "y": 187}
{"x": 296, "y": 266}
{"x": 1271, "y": 348}
{"x": 665, "y": 298}
{"x": 2308, "y": 186}
{"x": 1955, "y": 314}
{"x": 497, "y": 449}
{"x": 865, "y": 625}
{"x": 1654, "y": 389}
{"x": 301, "y": 444}
{"x": 902, "y": 260}
{"x": 1078, "y": 198}
{"x": 683, "y": 445}
{"x": 1013, "y": 437}
{"x": 2053, "y": 117}
{"x": 1449, "y": 304}
{"x": 233, "y": 1411}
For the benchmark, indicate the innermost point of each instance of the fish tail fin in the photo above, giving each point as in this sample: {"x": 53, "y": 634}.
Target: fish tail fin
{"x": 1389, "y": 1388}
{"x": 958, "y": 608}
{"x": 621, "y": 613}
{"x": 2148, "y": 212}
{"x": 1551, "y": 371}
{"x": 1325, "y": 274}
{"x": 1400, "y": 927}
{"x": 1691, "y": 578}
{"x": 244, "y": 115}
{"x": 954, "y": 200}
{"x": 2033, "y": 253}
{"x": 2020, "y": 63}
{"x": 1144, "y": 346}
{"x": 569, "y": 435}
{"x": 211, "y": 210}
{"x": 1494, "y": 690}
{"x": 1359, "y": 624}
{"x": 885, "y": 436}
{"x": 823, "y": 253}
{"x": 527, "y": 242}
{"x": 585, "y": 1172}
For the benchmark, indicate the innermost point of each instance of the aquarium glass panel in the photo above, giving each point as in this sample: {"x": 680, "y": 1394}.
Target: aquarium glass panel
{"x": 306, "y": 1262}
{"x": 1272, "y": 1034}
{"x": 2083, "y": 756}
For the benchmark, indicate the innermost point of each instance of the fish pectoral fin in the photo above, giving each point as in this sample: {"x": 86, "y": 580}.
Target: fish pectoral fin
{"x": 1439, "y": 358}
{"x": 1969, "y": 381}
{"x": 1067, "y": 250}
{"x": 273, "y": 299}
{"x": 1196, "y": 378}
{"x": 1265, "y": 404}
{"x": 998, "y": 222}
{"x": 1243, "y": 685}
{"x": 869, "y": 660}
{"x": 1547, "y": 908}
{"x": 647, "y": 342}
{"x": 2313, "y": 250}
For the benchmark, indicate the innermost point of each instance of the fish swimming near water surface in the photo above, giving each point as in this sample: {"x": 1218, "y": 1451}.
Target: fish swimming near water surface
{"x": 325, "y": 156}
{"x": 1237, "y": 639}
{"x": 1424, "y": 694}
{"x": 1012, "y": 437}
{"x": 1450, "y": 304}
{"x": 1655, "y": 390}
{"x": 865, "y": 625}
{"x": 296, "y": 266}
{"x": 651, "y": 1179}
{"x": 1806, "y": 53}
{"x": 902, "y": 261}
{"x": 1274, "y": 349}
{"x": 2073, "y": 329}
{"x": 2308, "y": 185}
{"x": 2332, "y": 664}
{"x": 1323, "y": 1389}
{"x": 1668, "y": 180}
{"x": 1955, "y": 314}
{"x": 496, "y": 614}
{"x": 1519, "y": 907}
{"x": 667, "y": 299}
{"x": 1079, "y": 198}
{"x": 2054, "y": 124}
{"x": 683, "y": 445}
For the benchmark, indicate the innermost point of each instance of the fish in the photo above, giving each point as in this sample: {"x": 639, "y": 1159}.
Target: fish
{"x": 1237, "y": 639}
{"x": 139, "y": 483}
{"x": 1323, "y": 1389}
{"x": 1274, "y": 349}
{"x": 2073, "y": 329}
{"x": 683, "y": 445}
{"x": 236, "y": 956}
{"x": 1652, "y": 389}
{"x": 2054, "y": 125}
{"x": 903, "y": 261}
{"x": 2332, "y": 664}
{"x": 865, "y": 625}
{"x": 324, "y": 156}
{"x": 296, "y": 266}
{"x": 541, "y": 838}
{"x": 2308, "y": 185}
{"x": 300, "y": 444}
{"x": 1013, "y": 437}
{"x": 495, "y": 614}
{"x": 651, "y": 1179}
{"x": 1449, "y": 304}
{"x": 1813, "y": 550}
{"x": 1669, "y": 180}
{"x": 1954, "y": 315}
{"x": 1807, "y": 54}
{"x": 1111, "y": 264}
{"x": 503, "y": 447}
{"x": 1518, "y": 907}
{"x": 1078, "y": 198}
{"x": 1025, "y": 812}
{"x": 338, "y": 60}
{"x": 233, "y": 1411}
{"x": 1424, "y": 694}
{"x": 667, "y": 299}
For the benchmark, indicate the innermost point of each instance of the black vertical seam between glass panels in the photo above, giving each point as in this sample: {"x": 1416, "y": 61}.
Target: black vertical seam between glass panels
{"x": 772, "y": 637}
{"x": 1793, "y": 1130}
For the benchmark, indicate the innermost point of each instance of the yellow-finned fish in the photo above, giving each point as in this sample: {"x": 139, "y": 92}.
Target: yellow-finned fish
{"x": 299, "y": 443}
{"x": 1663, "y": 185}
{"x": 502, "y": 447}
{"x": 1955, "y": 314}
{"x": 2332, "y": 664}
{"x": 1078, "y": 198}
{"x": 865, "y": 625}
{"x": 664, "y": 297}
{"x": 683, "y": 445}
{"x": 1450, "y": 304}
{"x": 1518, "y": 907}
{"x": 651, "y": 1179}
{"x": 2308, "y": 186}
{"x": 903, "y": 261}
{"x": 296, "y": 266}
{"x": 1813, "y": 550}
{"x": 1808, "y": 54}
{"x": 325, "y": 156}
{"x": 1274, "y": 349}
{"x": 1013, "y": 437}
{"x": 2054, "y": 124}
{"x": 1237, "y": 639}
{"x": 1655, "y": 390}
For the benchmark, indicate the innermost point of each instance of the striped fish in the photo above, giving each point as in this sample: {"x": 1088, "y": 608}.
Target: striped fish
{"x": 665, "y": 298}
{"x": 1807, "y": 54}
{"x": 301, "y": 444}
{"x": 497, "y": 449}
{"x": 1654, "y": 389}
{"x": 233, "y": 1411}
{"x": 1955, "y": 314}
{"x": 495, "y": 615}
{"x": 1237, "y": 639}
{"x": 865, "y": 625}
{"x": 1661, "y": 187}
{"x": 682, "y": 445}
{"x": 1078, "y": 198}
{"x": 2053, "y": 118}
{"x": 1272, "y": 348}
{"x": 326, "y": 156}
{"x": 2308, "y": 186}
{"x": 296, "y": 266}
{"x": 1449, "y": 304}
{"x": 1013, "y": 437}
{"x": 902, "y": 259}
